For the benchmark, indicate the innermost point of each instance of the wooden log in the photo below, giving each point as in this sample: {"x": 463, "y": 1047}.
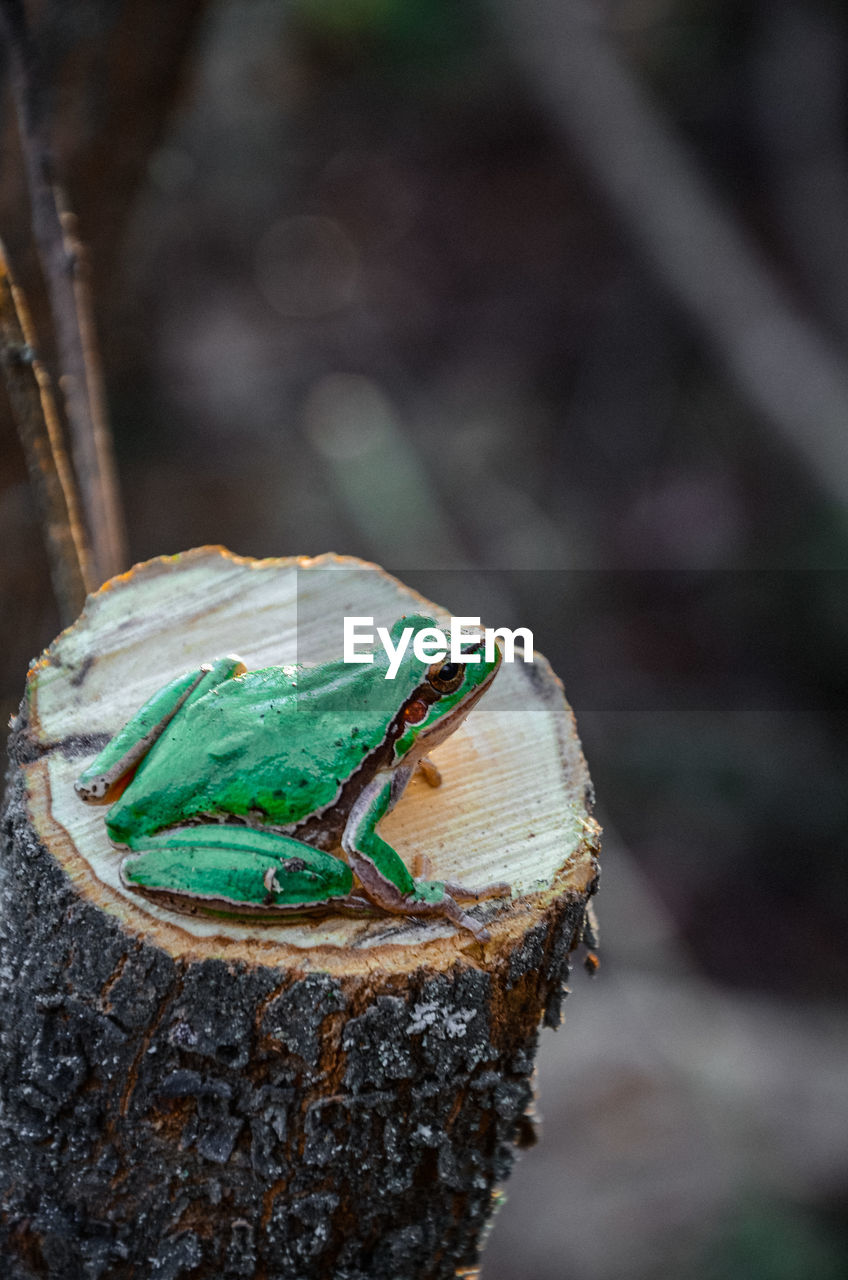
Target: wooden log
{"x": 330, "y": 1097}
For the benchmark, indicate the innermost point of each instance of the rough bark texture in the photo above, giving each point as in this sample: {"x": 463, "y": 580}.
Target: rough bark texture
{"x": 198, "y": 1114}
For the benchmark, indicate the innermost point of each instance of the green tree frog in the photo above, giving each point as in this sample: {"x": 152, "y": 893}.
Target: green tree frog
{"x": 257, "y": 793}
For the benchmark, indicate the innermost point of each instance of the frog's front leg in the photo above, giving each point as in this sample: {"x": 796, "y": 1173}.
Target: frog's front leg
{"x": 431, "y": 773}
{"x": 234, "y": 869}
{"x": 383, "y": 875}
{"x": 104, "y": 779}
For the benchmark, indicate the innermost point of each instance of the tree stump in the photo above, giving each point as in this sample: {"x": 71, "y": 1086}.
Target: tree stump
{"x": 329, "y": 1097}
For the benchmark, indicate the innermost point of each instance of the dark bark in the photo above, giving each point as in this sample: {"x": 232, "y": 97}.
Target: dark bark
{"x": 231, "y": 1101}
{"x": 166, "y": 1117}
{"x": 34, "y": 410}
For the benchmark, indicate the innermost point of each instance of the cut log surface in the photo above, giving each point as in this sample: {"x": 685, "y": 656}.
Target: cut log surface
{"x": 333, "y": 1096}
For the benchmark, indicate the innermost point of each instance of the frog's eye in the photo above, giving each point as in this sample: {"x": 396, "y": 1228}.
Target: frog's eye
{"x": 446, "y": 676}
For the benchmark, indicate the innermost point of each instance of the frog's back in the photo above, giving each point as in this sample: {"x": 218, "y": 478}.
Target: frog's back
{"x": 272, "y": 746}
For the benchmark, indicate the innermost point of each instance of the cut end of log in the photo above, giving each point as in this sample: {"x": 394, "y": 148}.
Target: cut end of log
{"x": 329, "y": 1096}
{"x": 514, "y": 805}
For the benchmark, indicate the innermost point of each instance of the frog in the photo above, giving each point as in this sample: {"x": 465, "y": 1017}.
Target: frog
{"x": 255, "y": 794}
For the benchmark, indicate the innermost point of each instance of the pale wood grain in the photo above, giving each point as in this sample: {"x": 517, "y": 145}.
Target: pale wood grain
{"x": 513, "y": 804}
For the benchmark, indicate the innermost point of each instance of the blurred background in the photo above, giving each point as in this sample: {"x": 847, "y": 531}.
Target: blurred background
{"x": 554, "y": 295}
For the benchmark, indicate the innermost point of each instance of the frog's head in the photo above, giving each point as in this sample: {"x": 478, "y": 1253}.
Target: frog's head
{"x": 442, "y": 694}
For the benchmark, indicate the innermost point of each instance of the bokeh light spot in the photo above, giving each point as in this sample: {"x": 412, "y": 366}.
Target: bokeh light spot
{"x": 307, "y": 266}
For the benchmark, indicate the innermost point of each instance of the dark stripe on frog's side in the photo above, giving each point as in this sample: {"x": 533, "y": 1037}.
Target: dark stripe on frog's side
{"x": 324, "y": 828}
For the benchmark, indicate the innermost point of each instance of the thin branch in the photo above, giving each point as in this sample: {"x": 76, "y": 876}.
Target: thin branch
{"x": 65, "y": 277}
{"x": 790, "y": 373}
{"x": 114, "y": 535}
{"x": 34, "y": 411}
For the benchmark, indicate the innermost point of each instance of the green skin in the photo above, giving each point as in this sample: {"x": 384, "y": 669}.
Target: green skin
{"x": 292, "y": 765}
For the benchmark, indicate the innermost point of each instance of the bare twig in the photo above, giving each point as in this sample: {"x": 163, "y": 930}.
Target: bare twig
{"x": 789, "y": 372}
{"x": 65, "y": 277}
{"x": 114, "y": 538}
{"x": 34, "y": 410}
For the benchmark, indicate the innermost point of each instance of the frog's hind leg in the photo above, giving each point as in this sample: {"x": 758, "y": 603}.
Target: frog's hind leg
{"x": 235, "y": 871}
{"x": 385, "y": 878}
{"x": 110, "y": 771}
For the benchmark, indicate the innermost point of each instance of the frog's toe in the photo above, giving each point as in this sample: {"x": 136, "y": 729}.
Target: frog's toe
{"x": 432, "y": 898}
{"x": 464, "y": 893}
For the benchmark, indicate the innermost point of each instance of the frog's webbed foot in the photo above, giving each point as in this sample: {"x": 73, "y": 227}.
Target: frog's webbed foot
{"x": 431, "y": 898}
{"x": 234, "y": 870}
{"x": 453, "y": 895}
{"x": 443, "y": 897}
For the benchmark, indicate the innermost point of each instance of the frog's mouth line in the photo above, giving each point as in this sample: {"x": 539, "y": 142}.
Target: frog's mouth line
{"x": 430, "y": 736}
